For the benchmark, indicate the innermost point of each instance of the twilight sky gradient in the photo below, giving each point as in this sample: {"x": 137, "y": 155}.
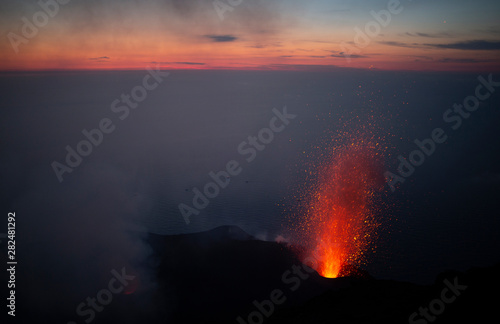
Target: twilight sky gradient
{"x": 456, "y": 35}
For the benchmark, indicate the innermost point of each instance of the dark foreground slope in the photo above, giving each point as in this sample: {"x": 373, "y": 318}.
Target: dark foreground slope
{"x": 225, "y": 276}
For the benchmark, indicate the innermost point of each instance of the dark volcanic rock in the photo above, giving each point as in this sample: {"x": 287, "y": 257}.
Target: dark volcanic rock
{"x": 220, "y": 273}
{"x": 382, "y": 301}
{"x": 223, "y": 274}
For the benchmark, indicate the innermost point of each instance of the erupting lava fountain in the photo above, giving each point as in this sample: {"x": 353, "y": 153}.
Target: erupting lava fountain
{"x": 339, "y": 218}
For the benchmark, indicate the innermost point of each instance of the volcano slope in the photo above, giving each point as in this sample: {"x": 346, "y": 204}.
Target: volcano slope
{"x": 226, "y": 276}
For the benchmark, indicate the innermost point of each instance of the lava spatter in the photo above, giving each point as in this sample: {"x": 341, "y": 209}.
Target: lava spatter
{"x": 339, "y": 218}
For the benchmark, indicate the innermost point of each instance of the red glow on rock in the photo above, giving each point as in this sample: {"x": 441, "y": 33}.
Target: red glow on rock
{"x": 132, "y": 285}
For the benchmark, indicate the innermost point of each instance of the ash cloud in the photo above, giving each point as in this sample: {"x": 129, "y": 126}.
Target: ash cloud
{"x": 84, "y": 229}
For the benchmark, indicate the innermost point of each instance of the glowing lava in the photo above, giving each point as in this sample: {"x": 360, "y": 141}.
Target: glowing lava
{"x": 341, "y": 223}
{"x": 132, "y": 285}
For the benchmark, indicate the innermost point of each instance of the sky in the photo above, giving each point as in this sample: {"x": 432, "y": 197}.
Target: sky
{"x": 446, "y": 35}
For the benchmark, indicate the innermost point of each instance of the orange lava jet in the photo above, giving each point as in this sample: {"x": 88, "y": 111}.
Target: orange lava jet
{"x": 340, "y": 214}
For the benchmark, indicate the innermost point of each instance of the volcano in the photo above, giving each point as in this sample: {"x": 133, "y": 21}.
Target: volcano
{"x": 227, "y": 276}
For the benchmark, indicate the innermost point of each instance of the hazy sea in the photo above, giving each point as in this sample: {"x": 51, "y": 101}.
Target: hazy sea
{"x": 444, "y": 216}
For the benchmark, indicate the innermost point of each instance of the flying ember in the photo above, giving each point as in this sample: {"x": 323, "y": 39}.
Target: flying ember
{"x": 340, "y": 212}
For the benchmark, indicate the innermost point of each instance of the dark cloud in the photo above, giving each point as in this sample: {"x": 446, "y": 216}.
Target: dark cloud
{"x": 221, "y": 38}
{"x": 102, "y": 59}
{"x": 311, "y": 56}
{"x": 344, "y": 55}
{"x": 348, "y": 55}
{"x": 187, "y": 63}
{"x": 470, "y": 45}
{"x": 428, "y": 35}
{"x": 465, "y": 45}
{"x": 463, "y": 60}
{"x": 400, "y": 44}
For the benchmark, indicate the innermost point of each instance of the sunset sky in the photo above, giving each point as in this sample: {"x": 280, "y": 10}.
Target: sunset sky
{"x": 255, "y": 34}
